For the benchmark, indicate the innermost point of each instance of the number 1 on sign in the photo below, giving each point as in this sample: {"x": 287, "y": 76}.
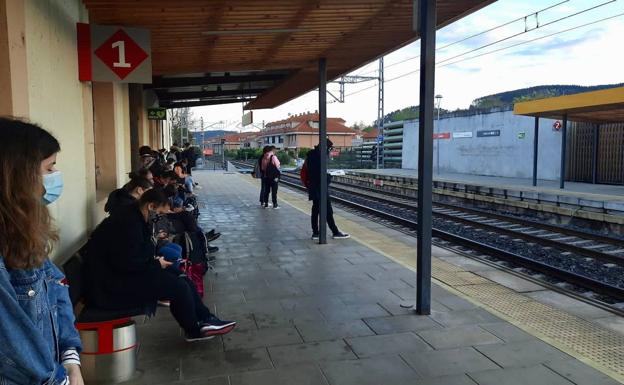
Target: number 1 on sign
{"x": 122, "y": 54}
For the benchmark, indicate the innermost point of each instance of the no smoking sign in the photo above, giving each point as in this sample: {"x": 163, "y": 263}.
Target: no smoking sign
{"x": 114, "y": 54}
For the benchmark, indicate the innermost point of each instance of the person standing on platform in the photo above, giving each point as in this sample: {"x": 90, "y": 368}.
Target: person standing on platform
{"x": 313, "y": 161}
{"x": 257, "y": 173}
{"x": 270, "y": 177}
{"x": 40, "y": 344}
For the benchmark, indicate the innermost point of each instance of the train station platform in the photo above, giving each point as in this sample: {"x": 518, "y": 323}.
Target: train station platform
{"x": 331, "y": 314}
{"x": 596, "y": 202}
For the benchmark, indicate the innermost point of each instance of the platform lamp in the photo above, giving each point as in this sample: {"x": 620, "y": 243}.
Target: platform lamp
{"x": 438, "y": 98}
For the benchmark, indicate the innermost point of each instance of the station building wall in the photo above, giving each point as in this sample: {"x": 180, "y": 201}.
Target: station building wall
{"x": 508, "y": 155}
{"x": 39, "y": 83}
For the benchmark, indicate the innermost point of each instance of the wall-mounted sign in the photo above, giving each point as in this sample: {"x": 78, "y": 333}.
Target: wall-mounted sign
{"x": 462, "y": 134}
{"x": 521, "y": 135}
{"x": 379, "y": 138}
{"x": 247, "y": 118}
{"x": 557, "y": 126}
{"x": 442, "y": 135}
{"x": 114, "y": 54}
{"x": 208, "y": 151}
{"x": 487, "y": 133}
{"x": 157, "y": 113}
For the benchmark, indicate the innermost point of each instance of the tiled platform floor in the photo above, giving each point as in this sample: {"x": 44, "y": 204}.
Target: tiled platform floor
{"x": 311, "y": 314}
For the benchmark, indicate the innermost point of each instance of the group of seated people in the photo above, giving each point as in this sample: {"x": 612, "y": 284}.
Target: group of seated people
{"x": 151, "y": 250}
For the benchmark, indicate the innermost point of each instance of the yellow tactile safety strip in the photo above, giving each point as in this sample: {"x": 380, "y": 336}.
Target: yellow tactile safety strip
{"x": 591, "y": 343}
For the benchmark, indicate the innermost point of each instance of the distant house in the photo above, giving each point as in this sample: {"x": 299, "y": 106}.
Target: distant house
{"x": 302, "y": 130}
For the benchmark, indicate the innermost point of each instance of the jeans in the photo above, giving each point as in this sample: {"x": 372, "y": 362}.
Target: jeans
{"x": 269, "y": 186}
{"x": 316, "y": 206}
{"x": 186, "y": 305}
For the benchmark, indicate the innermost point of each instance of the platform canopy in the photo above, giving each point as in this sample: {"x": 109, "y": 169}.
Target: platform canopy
{"x": 264, "y": 52}
{"x": 603, "y": 106}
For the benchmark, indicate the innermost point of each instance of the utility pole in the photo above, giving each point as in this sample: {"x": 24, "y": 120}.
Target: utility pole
{"x": 439, "y": 100}
{"x": 380, "y": 110}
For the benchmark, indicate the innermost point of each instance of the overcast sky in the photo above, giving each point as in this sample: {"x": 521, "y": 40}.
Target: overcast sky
{"x": 586, "y": 56}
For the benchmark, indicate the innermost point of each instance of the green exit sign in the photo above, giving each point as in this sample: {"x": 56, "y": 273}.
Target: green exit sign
{"x": 157, "y": 113}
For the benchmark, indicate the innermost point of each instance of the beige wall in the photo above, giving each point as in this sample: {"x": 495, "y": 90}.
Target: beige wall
{"x": 56, "y": 102}
{"x": 39, "y": 81}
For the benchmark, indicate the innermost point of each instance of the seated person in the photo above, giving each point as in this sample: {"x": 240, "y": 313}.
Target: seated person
{"x": 185, "y": 179}
{"x": 129, "y": 193}
{"x": 122, "y": 271}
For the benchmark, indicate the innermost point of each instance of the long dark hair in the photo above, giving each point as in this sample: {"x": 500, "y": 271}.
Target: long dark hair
{"x": 25, "y": 222}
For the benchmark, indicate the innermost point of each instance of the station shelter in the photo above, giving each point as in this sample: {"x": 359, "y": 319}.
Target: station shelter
{"x": 261, "y": 53}
{"x": 592, "y": 148}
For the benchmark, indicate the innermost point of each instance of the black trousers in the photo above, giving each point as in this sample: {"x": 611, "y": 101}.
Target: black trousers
{"x": 270, "y": 186}
{"x": 316, "y": 206}
{"x": 186, "y": 306}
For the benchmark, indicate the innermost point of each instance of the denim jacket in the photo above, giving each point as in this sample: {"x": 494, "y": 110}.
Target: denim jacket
{"x": 36, "y": 325}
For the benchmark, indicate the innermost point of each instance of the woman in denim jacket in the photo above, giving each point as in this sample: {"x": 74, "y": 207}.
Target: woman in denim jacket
{"x": 39, "y": 344}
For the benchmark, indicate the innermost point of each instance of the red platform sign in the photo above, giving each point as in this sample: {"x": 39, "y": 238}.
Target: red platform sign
{"x": 442, "y": 135}
{"x": 114, "y": 54}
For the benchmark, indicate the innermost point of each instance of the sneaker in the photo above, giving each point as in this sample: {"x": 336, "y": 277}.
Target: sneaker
{"x": 189, "y": 208}
{"x": 315, "y": 237}
{"x": 341, "y": 236}
{"x": 213, "y": 249}
{"x": 164, "y": 303}
{"x": 213, "y": 325}
{"x": 210, "y": 233}
{"x": 198, "y": 337}
{"x": 276, "y": 207}
{"x": 212, "y": 237}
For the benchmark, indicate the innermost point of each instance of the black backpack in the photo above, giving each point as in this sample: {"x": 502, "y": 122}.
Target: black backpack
{"x": 271, "y": 171}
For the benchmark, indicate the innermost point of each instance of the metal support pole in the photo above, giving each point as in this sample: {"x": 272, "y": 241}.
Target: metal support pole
{"x": 595, "y": 153}
{"x": 427, "y": 23}
{"x": 322, "y": 69}
{"x": 535, "y": 147}
{"x": 564, "y": 139}
{"x": 380, "y": 114}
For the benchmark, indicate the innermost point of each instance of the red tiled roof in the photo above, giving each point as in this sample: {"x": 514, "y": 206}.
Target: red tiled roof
{"x": 370, "y": 135}
{"x": 334, "y": 125}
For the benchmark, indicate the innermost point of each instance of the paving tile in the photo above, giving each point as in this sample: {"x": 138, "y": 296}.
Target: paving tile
{"x": 507, "y": 332}
{"x": 446, "y": 380}
{"x": 306, "y": 374}
{"x": 448, "y": 362}
{"x": 310, "y": 352}
{"x": 163, "y": 371}
{"x": 312, "y": 331}
{"x": 580, "y": 373}
{"x": 401, "y": 323}
{"x": 212, "y": 364}
{"x": 352, "y": 312}
{"x": 458, "y": 337}
{"x": 615, "y": 323}
{"x": 389, "y": 370}
{"x": 519, "y": 354}
{"x": 522, "y": 376}
{"x": 206, "y": 381}
{"x": 569, "y": 304}
{"x": 454, "y": 302}
{"x": 248, "y": 339}
{"x": 387, "y": 344}
{"x": 463, "y": 317}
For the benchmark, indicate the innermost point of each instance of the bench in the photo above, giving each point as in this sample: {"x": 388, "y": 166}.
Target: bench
{"x": 108, "y": 336}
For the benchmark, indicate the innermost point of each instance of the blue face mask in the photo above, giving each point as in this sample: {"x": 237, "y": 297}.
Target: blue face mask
{"x": 53, "y": 185}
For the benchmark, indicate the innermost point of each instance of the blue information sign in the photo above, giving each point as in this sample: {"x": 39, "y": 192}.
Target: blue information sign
{"x": 380, "y": 139}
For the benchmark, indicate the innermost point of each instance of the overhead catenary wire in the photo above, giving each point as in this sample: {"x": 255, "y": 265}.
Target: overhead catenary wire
{"x": 494, "y": 51}
{"x": 535, "y": 13}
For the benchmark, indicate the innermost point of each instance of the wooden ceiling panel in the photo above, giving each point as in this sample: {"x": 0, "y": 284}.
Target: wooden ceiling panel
{"x": 204, "y": 36}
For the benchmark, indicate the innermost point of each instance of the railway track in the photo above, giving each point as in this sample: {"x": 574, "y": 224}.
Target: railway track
{"x": 453, "y": 225}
